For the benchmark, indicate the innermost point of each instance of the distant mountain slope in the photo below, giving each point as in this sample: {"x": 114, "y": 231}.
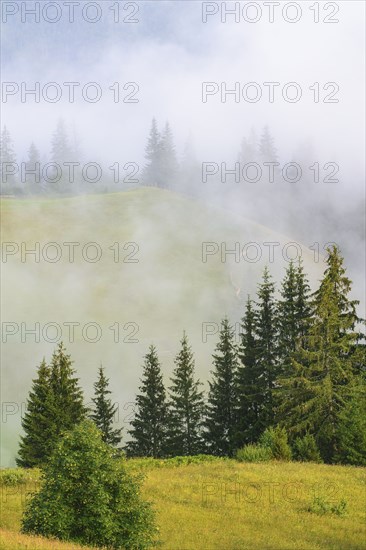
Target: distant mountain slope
{"x": 159, "y": 287}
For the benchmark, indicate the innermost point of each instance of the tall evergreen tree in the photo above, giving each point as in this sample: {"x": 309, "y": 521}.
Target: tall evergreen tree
{"x": 152, "y": 170}
{"x": 250, "y": 385}
{"x": 67, "y": 408}
{"x": 55, "y": 404}
{"x": 186, "y": 406}
{"x": 61, "y": 152}
{"x": 222, "y": 398}
{"x": 294, "y": 313}
{"x": 168, "y": 159}
{"x": 36, "y": 423}
{"x": 7, "y": 162}
{"x": 149, "y": 426}
{"x": 32, "y": 175}
{"x": 104, "y": 410}
{"x": 324, "y": 371}
{"x": 267, "y": 148}
{"x": 266, "y": 348}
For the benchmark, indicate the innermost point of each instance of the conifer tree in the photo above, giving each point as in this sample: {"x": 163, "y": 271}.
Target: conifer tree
{"x": 294, "y": 312}
{"x": 7, "y": 162}
{"x": 152, "y": 171}
{"x": 149, "y": 426}
{"x": 266, "y": 146}
{"x": 168, "y": 160}
{"x": 318, "y": 389}
{"x": 55, "y": 404}
{"x": 266, "y": 348}
{"x": 104, "y": 410}
{"x": 67, "y": 408}
{"x": 36, "y": 423}
{"x": 250, "y": 385}
{"x": 222, "y": 398}
{"x": 186, "y": 406}
{"x": 61, "y": 152}
{"x": 32, "y": 175}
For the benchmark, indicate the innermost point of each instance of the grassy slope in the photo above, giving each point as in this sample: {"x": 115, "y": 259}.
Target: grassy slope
{"x": 268, "y": 511}
{"x": 170, "y": 289}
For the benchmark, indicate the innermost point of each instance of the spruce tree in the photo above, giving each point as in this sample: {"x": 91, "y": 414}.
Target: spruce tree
{"x": 266, "y": 349}
{"x": 67, "y": 408}
{"x": 36, "y": 423}
{"x": 168, "y": 160}
{"x": 152, "y": 170}
{"x": 61, "y": 152}
{"x": 55, "y": 404}
{"x": 104, "y": 410}
{"x": 222, "y": 397}
{"x": 149, "y": 426}
{"x": 322, "y": 381}
{"x": 7, "y": 162}
{"x": 267, "y": 149}
{"x": 294, "y": 313}
{"x": 186, "y": 406}
{"x": 33, "y": 180}
{"x": 250, "y": 385}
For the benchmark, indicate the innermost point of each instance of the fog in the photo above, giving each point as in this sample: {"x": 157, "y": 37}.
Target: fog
{"x": 168, "y": 53}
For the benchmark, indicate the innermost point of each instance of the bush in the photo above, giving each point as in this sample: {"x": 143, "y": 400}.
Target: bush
{"x": 18, "y": 476}
{"x": 254, "y": 453}
{"x": 306, "y": 450}
{"x": 275, "y": 439}
{"x": 321, "y": 507}
{"x": 88, "y": 497}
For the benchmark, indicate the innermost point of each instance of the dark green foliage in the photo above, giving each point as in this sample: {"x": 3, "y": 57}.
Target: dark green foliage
{"x": 306, "y": 450}
{"x": 104, "y": 410}
{"x": 321, "y": 506}
{"x": 266, "y": 350}
{"x": 250, "y": 386}
{"x": 149, "y": 426}
{"x": 186, "y": 406}
{"x": 318, "y": 388}
{"x": 55, "y": 404}
{"x": 34, "y": 445}
{"x": 276, "y": 440}
{"x": 351, "y": 440}
{"x": 293, "y": 314}
{"x": 88, "y": 497}
{"x": 222, "y": 398}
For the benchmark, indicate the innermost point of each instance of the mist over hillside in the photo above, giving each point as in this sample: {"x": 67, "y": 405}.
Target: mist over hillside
{"x": 161, "y": 249}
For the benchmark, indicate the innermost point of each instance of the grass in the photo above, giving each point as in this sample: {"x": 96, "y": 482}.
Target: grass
{"x": 236, "y": 506}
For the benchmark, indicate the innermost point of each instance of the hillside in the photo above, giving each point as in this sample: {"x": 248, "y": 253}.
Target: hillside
{"x": 224, "y": 504}
{"x": 158, "y": 286}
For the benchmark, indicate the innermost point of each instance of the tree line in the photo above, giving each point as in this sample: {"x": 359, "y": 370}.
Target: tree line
{"x": 299, "y": 367}
{"x": 162, "y": 168}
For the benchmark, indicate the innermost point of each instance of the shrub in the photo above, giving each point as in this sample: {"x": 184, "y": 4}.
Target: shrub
{"x": 88, "y": 497}
{"x": 254, "y": 453}
{"x": 321, "y": 507}
{"x": 275, "y": 439}
{"x": 306, "y": 450}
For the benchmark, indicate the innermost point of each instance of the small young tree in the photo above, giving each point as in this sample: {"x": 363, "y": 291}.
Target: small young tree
{"x": 104, "y": 410}
{"x": 149, "y": 425}
{"x": 222, "y": 398}
{"x": 186, "y": 406}
{"x": 88, "y": 497}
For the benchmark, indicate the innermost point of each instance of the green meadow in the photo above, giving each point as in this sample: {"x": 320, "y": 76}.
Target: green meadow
{"x": 226, "y": 504}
